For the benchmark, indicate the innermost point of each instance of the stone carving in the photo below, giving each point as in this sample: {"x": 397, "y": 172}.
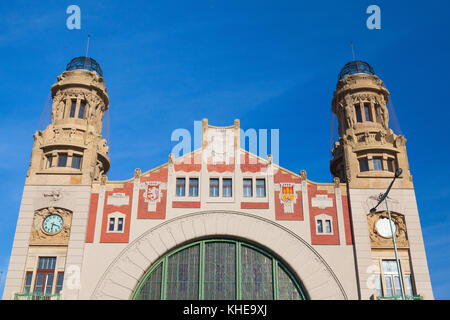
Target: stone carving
{"x": 377, "y": 240}
{"x": 54, "y": 195}
{"x": 39, "y": 237}
{"x": 137, "y": 173}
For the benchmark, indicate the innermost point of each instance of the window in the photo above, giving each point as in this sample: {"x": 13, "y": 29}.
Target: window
{"x": 378, "y": 287}
{"x": 227, "y": 187}
{"x": 73, "y": 108}
{"x": 120, "y": 224}
{"x": 248, "y": 188}
{"x": 62, "y": 159}
{"x": 391, "y": 165}
{"x": 213, "y": 187}
{"x": 193, "y": 187}
{"x": 328, "y": 226}
{"x": 319, "y": 226}
{"x": 218, "y": 269}
{"x": 391, "y": 278}
{"x": 82, "y": 110}
{"x": 44, "y": 274}
{"x": 181, "y": 187}
{"x": 112, "y": 224}
{"x": 363, "y": 165}
{"x": 378, "y": 164}
{"x": 260, "y": 188}
{"x": 408, "y": 285}
{"x": 367, "y": 112}
{"x": 28, "y": 278}
{"x": 76, "y": 161}
{"x": 59, "y": 282}
{"x": 358, "y": 113}
{"x": 49, "y": 161}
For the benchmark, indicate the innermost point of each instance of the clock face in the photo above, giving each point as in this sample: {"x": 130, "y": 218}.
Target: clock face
{"x": 384, "y": 229}
{"x": 52, "y": 224}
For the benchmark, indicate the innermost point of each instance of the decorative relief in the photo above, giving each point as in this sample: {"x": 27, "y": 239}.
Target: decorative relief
{"x": 379, "y": 239}
{"x": 39, "y": 237}
{"x": 152, "y": 193}
{"x": 54, "y": 195}
{"x": 288, "y": 196}
{"x": 322, "y": 201}
{"x": 118, "y": 199}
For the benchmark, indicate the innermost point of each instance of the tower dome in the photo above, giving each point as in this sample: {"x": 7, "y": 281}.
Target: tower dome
{"x": 357, "y": 66}
{"x": 84, "y": 63}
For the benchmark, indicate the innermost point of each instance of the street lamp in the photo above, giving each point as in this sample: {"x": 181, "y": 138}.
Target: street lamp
{"x": 398, "y": 172}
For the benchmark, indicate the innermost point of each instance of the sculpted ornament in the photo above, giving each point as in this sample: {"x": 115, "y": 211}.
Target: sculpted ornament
{"x": 378, "y": 237}
{"x": 40, "y": 237}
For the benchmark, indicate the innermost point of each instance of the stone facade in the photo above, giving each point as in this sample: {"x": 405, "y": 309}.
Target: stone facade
{"x": 112, "y": 232}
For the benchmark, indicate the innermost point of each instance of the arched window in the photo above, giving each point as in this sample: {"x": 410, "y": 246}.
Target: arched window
{"x": 219, "y": 269}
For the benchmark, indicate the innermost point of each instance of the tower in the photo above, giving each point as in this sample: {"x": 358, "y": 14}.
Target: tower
{"x": 366, "y": 157}
{"x": 71, "y": 150}
{"x": 67, "y": 158}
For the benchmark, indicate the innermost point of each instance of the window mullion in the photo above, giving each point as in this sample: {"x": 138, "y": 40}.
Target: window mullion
{"x": 275, "y": 279}
{"x": 201, "y": 285}
{"x": 164, "y": 280}
{"x": 238, "y": 272}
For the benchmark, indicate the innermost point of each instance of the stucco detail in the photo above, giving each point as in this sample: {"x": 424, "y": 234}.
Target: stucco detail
{"x": 318, "y": 279}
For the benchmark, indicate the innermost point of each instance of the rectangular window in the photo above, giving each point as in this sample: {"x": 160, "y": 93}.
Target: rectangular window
{"x": 73, "y": 108}
{"x": 363, "y": 165}
{"x": 62, "y": 159}
{"x": 391, "y": 165}
{"x": 120, "y": 224}
{"x": 112, "y": 222}
{"x": 391, "y": 277}
{"x": 193, "y": 187}
{"x": 227, "y": 187}
{"x": 82, "y": 110}
{"x": 59, "y": 282}
{"x": 28, "y": 278}
{"x": 328, "y": 226}
{"x": 358, "y": 113}
{"x": 49, "y": 161}
{"x": 319, "y": 226}
{"x": 46, "y": 263}
{"x": 378, "y": 287}
{"x": 408, "y": 285}
{"x": 378, "y": 164}
{"x": 248, "y": 188}
{"x": 181, "y": 187}
{"x": 260, "y": 188}
{"x": 214, "y": 187}
{"x": 367, "y": 112}
{"x": 49, "y": 283}
{"x": 76, "y": 161}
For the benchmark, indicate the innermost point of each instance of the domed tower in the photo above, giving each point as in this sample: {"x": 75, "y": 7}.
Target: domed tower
{"x": 71, "y": 149}
{"x": 368, "y": 151}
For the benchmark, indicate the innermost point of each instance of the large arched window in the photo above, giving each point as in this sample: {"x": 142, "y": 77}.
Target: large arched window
{"x": 218, "y": 269}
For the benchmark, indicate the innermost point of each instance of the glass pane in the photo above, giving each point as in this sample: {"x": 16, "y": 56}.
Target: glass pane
{"x": 62, "y": 160}
{"x": 408, "y": 285}
{"x": 182, "y": 274}
{"x": 76, "y": 162}
{"x": 389, "y": 266}
{"x": 82, "y": 109}
{"x": 227, "y": 187}
{"x": 111, "y": 224}
{"x": 39, "y": 282}
{"x": 260, "y": 188}
{"x": 388, "y": 282}
{"x": 358, "y": 113}
{"x": 181, "y": 187}
{"x": 319, "y": 226}
{"x": 193, "y": 187}
{"x": 327, "y": 226}
{"x": 377, "y": 164}
{"x": 256, "y": 275}
{"x": 120, "y": 224}
{"x": 397, "y": 287}
{"x": 367, "y": 112}
{"x": 248, "y": 188}
{"x": 363, "y": 165}
{"x": 378, "y": 285}
{"x": 152, "y": 287}
{"x": 220, "y": 271}
{"x": 48, "y": 287}
{"x": 28, "y": 278}
{"x": 73, "y": 107}
{"x": 59, "y": 282}
{"x": 286, "y": 288}
{"x": 47, "y": 263}
{"x": 214, "y": 187}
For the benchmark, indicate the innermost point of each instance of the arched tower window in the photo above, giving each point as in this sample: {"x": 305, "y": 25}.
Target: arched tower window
{"x": 219, "y": 269}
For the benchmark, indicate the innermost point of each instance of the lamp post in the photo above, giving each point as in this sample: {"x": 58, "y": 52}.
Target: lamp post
{"x": 398, "y": 172}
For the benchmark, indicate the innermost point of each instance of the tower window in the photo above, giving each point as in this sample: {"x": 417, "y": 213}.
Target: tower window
{"x": 181, "y": 187}
{"x": 59, "y": 282}
{"x": 363, "y": 165}
{"x": 248, "y": 188}
{"x": 367, "y": 112}
{"x": 82, "y": 110}
{"x": 328, "y": 226}
{"x": 358, "y": 113}
{"x": 28, "y": 278}
{"x": 120, "y": 224}
{"x": 193, "y": 187}
{"x": 227, "y": 187}
{"x": 62, "y": 160}
{"x": 73, "y": 108}
{"x": 214, "y": 187}
{"x": 112, "y": 223}
{"x": 49, "y": 161}
{"x": 378, "y": 164}
{"x": 260, "y": 188}
{"x": 391, "y": 165}
{"x": 76, "y": 161}
{"x": 319, "y": 226}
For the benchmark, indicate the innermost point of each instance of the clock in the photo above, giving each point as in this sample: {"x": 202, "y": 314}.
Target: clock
{"x": 383, "y": 227}
{"x": 52, "y": 224}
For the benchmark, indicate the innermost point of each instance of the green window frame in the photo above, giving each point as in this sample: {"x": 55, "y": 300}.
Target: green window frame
{"x": 233, "y": 271}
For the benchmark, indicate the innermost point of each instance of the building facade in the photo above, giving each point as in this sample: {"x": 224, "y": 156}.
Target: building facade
{"x": 219, "y": 222}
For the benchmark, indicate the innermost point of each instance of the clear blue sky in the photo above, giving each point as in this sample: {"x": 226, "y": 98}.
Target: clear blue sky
{"x": 272, "y": 64}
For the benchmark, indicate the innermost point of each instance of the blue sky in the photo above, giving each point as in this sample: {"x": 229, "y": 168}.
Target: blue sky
{"x": 271, "y": 64}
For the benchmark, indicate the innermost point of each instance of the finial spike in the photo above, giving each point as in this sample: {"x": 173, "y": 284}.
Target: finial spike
{"x": 353, "y": 51}
{"x": 87, "y": 46}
